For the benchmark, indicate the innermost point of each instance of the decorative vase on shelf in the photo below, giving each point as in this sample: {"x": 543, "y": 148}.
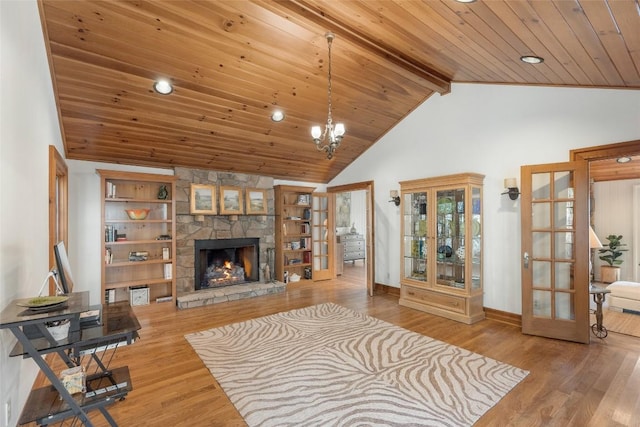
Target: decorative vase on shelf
{"x": 353, "y": 228}
{"x": 163, "y": 193}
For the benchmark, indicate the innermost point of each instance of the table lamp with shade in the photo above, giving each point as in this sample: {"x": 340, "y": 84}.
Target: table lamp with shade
{"x": 594, "y": 243}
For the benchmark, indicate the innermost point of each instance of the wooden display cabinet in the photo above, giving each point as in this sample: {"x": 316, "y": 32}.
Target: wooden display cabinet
{"x": 294, "y": 249}
{"x": 441, "y": 256}
{"x": 138, "y": 252}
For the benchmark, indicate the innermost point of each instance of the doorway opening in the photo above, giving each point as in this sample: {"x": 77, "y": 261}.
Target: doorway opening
{"x": 604, "y": 168}
{"x": 355, "y": 228}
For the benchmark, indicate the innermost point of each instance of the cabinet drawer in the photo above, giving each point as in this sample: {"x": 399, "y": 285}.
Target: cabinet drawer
{"x": 344, "y": 238}
{"x": 436, "y": 299}
{"x": 354, "y": 246}
{"x": 353, "y": 255}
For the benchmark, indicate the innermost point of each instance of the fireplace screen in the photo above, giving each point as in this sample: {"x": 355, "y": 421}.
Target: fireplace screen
{"x": 226, "y": 262}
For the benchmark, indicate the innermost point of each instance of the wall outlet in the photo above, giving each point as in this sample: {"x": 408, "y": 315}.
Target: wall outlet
{"x": 7, "y": 412}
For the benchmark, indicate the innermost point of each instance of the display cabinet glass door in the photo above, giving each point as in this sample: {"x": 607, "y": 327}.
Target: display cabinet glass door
{"x": 450, "y": 238}
{"x": 476, "y": 238}
{"x": 415, "y": 236}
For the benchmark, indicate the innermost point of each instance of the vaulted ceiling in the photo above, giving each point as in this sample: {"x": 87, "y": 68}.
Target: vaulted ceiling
{"x": 233, "y": 62}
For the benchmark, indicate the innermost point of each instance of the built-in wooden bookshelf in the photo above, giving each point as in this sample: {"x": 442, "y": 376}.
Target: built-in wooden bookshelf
{"x": 138, "y": 253}
{"x": 294, "y": 249}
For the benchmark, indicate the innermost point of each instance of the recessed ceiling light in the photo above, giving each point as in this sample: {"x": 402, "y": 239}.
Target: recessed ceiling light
{"x": 530, "y": 59}
{"x": 163, "y": 87}
{"x": 277, "y": 116}
{"x": 466, "y": 1}
{"x": 623, "y": 159}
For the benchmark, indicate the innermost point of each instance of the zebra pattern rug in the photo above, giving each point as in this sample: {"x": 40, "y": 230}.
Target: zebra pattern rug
{"x": 327, "y": 365}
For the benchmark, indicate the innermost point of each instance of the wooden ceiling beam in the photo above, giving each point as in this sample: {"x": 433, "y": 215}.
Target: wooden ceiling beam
{"x": 434, "y": 80}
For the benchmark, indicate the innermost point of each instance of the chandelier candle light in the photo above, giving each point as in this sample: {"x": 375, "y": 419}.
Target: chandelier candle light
{"x": 332, "y": 136}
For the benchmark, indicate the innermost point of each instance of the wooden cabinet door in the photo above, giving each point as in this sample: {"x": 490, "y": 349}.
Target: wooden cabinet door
{"x": 555, "y": 250}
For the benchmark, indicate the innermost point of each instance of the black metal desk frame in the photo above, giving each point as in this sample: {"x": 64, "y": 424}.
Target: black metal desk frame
{"x": 117, "y": 326}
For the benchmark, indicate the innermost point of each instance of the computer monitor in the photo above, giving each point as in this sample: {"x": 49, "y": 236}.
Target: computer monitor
{"x": 64, "y": 269}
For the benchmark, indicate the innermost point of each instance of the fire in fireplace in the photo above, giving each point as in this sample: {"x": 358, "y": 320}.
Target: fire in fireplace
{"x": 226, "y": 262}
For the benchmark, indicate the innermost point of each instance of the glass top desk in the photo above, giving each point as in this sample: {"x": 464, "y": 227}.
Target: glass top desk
{"x": 92, "y": 338}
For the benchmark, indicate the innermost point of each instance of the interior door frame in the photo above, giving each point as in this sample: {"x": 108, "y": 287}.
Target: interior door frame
{"x": 58, "y": 206}
{"x": 609, "y": 151}
{"x": 368, "y": 187}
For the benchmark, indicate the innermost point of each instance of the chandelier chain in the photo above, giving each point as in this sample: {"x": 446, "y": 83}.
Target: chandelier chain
{"x": 329, "y": 42}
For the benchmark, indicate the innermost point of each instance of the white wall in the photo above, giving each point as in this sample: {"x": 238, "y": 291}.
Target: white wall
{"x": 28, "y": 125}
{"x": 613, "y": 214}
{"x": 491, "y": 130}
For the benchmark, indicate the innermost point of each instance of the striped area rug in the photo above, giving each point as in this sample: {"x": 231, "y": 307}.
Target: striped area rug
{"x": 327, "y": 365}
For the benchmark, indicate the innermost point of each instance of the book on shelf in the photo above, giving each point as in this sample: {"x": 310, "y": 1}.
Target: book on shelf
{"x": 168, "y": 271}
{"x": 166, "y": 253}
{"x": 111, "y": 190}
{"x": 110, "y": 295}
{"x": 110, "y": 233}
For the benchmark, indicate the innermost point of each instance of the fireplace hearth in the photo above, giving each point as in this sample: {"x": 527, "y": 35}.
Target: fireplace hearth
{"x": 226, "y": 262}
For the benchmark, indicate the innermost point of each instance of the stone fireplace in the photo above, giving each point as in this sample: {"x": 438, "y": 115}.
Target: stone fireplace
{"x": 191, "y": 229}
{"x": 226, "y": 262}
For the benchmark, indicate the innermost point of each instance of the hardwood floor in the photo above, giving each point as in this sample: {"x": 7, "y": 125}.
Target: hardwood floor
{"x": 568, "y": 385}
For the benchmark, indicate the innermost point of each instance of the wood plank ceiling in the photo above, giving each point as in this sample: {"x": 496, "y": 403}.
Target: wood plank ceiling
{"x": 233, "y": 62}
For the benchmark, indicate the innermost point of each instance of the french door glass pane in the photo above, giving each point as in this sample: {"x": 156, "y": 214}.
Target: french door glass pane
{"x": 540, "y": 186}
{"x": 540, "y": 215}
{"x": 541, "y": 245}
{"x": 541, "y": 274}
{"x": 565, "y": 309}
{"x": 563, "y": 185}
{"x": 564, "y": 275}
{"x": 542, "y": 303}
{"x": 564, "y": 247}
{"x": 563, "y": 215}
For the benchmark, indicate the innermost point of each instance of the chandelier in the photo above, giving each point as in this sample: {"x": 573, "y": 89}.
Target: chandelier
{"x": 330, "y": 139}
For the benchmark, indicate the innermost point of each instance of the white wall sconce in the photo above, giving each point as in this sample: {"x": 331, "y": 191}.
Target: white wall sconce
{"x": 394, "y": 197}
{"x": 512, "y": 188}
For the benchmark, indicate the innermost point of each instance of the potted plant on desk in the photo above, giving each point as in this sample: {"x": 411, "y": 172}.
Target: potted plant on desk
{"x": 610, "y": 253}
